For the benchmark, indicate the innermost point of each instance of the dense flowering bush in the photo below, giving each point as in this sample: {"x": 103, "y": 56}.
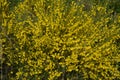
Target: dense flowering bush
{"x": 60, "y": 40}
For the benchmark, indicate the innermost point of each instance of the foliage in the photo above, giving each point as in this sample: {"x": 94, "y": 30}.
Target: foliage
{"x": 60, "y": 39}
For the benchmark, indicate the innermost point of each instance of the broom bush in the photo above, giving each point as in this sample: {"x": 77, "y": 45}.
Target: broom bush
{"x": 60, "y": 40}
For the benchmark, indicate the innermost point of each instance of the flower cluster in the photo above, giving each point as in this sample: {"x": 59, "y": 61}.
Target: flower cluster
{"x": 60, "y": 39}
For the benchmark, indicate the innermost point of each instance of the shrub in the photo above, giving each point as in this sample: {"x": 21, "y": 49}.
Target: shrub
{"x": 59, "y": 39}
